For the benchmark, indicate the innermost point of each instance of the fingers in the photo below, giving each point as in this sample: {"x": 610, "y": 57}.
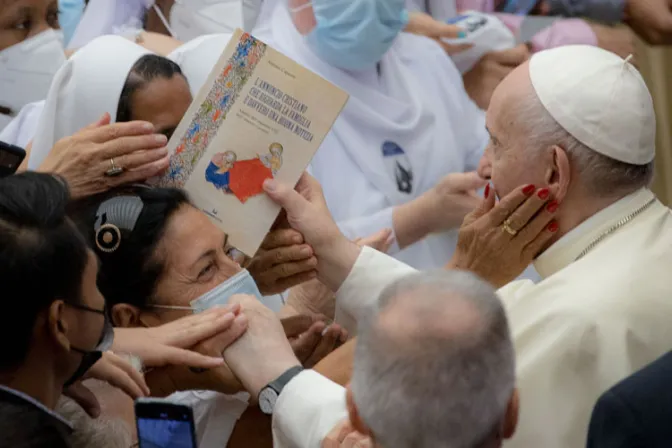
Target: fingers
{"x": 513, "y": 57}
{"x": 282, "y": 238}
{"x": 531, "y": 236}
{"x": 129, "y": 144}
{"x": 377, "y": 240}
{"x": 528, "y": 209}
{"x": 139, "y": 158}
{"x": 223, "y": 340}
{"x": 446, "y": 31}
{"x": 306, "y": 343}
{"x": 330, "y": 340}
{"x": 286, "y": 283}
{"x": 184, "y": 357}
{"x": 85, "y": 398}
{"x": 123, "y": 376}
{"x": 296, "y": 325}
{"x": 508, "y": 205}
{"x": 452, "y": 49}
{"x": 197, "y": 328}
{"x": 111, "y": 132}
{"x": 294, "y": 204}
{"x": 102, "y": 121}
{"x": 487, "y": 204}
{"x": 142, "y": 173}
{"x": 283, "y": 257}
{"x": 467, "y": 181}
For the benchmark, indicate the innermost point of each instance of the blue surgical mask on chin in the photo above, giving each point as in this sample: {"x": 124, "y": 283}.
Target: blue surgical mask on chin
{"x": 355, "y": 34}
{"x": 241, "y": 283}
{"x": 69, "y": 14}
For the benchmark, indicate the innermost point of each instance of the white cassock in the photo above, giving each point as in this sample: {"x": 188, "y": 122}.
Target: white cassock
{"x": 439, "y": 9}
{"x": 586, "y": 325}
{"x": 401, "y": 132}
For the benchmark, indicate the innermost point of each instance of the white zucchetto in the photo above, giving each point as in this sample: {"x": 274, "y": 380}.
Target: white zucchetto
{"x": 599, "y": 98}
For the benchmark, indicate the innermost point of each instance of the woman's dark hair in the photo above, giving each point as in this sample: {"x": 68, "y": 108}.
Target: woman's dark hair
{"x": 144, "y": 71}
{"x": 130, "y": 272}
{"x": 42, "y": 257}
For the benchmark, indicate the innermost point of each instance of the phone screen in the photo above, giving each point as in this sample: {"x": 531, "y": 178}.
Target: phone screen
{"x": 10, "y": 158}
{"x": 165, "y": 425}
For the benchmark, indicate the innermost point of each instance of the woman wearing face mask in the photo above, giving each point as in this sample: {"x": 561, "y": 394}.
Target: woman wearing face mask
{"x": 31, "y": 51}
{"x": 407, "y": 125}
{"x": 162, "y": 259}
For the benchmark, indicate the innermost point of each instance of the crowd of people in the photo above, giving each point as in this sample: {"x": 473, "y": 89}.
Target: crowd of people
{"x": 473, "y": 259}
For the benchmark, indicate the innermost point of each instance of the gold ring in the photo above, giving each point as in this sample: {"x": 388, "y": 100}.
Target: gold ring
{"x": 506, "y": 226}
{"x": 114, "y": 169}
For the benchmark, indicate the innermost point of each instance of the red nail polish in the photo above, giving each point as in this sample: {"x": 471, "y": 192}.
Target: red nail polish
{"x": 487, "y": 191}
{"x": 543, "y": 194}
{"x": 553, "y": 227}
{"x": 552, "y": 206}
{"x": 529, "y": 190}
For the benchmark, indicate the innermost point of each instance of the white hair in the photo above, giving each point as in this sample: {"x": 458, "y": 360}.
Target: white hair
{"x": 447, "y": 387}
{"x": 601, "y": 175}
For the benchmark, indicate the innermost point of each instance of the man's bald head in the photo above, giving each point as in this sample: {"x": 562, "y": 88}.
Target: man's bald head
{"x": 434, "y": 363}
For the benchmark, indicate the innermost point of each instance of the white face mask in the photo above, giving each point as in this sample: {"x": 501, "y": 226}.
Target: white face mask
{"x": 241, "y": 283}
{"x": 190, "y": 19}
{"x": 27, "y": 69}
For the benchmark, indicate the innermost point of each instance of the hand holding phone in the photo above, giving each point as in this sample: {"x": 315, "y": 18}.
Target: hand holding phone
{"x": 162, "y": 424}
{"x": 11, "y": 158}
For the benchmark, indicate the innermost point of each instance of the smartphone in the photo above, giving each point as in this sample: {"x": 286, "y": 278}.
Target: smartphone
{"x": 10, "y": 158}
{"x": 162, "y": 424}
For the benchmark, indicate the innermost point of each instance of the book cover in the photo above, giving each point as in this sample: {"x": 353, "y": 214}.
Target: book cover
{"x": 260, "y": 115}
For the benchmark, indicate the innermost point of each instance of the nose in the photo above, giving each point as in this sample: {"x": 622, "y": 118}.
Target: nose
{"x": 485, "y": 167}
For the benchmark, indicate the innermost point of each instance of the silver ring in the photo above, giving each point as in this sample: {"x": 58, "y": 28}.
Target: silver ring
{"x": 114, "y": 169}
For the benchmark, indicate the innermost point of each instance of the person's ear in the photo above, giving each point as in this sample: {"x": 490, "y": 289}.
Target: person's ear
{"x": 57, "y": 325}
{"x": 125, "y": 316}
{"x": 356, "y": 421}
{"x": 558, "y": 175}
{"x": 511, "y": 418}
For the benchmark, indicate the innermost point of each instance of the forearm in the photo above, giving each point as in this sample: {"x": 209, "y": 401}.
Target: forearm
{"x": 610, "y": 11}
{"x": 410, "y": 221}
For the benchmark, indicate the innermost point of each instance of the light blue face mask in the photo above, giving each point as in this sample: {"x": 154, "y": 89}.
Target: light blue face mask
{"x": 355, "y": 34}
{"x": 241, "y": 283}
{"x": 69, "y": 14}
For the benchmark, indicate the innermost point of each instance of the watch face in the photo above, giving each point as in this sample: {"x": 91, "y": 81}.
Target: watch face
{"x": 267, "y": 399}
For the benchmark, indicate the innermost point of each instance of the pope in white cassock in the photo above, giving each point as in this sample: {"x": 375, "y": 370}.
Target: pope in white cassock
{"x": 572, "y": 134}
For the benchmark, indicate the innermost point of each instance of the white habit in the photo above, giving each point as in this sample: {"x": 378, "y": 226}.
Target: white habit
{"x": 416, "y": 113}
{"x": 586, "y": 325}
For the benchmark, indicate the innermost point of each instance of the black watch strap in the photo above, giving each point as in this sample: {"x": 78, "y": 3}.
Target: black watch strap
{"x": 285, "y": 378}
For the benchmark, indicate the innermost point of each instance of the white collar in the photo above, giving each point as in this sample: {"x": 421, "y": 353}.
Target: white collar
{"x": 565, "y": 251}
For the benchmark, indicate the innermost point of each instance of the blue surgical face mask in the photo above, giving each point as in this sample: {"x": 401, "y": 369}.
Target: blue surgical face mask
{"x": 69, "y": 14}
{"x": 241, "y": 283}
{"x": 355, "y": 34}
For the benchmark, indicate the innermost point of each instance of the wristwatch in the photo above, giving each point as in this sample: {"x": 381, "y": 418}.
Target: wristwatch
{"x": 269, "y": 394}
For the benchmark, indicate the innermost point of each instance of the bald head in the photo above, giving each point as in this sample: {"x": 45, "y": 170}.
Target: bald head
{"x": 434, "y": 363}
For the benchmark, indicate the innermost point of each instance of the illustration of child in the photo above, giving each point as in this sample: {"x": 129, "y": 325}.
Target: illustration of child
{"x": 217, "y": 172}
{"x": 273, "y": 161}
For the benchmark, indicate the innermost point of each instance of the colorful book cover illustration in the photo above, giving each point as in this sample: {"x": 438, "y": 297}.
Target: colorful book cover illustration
{"x": 260, "y": 115}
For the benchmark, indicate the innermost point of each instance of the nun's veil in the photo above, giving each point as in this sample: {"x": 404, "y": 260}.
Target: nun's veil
{"x": 86, "y": 87}
{"x": 103, "y": 17}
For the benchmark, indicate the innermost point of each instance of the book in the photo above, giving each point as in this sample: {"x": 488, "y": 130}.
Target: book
{"x": 260, "y": 115}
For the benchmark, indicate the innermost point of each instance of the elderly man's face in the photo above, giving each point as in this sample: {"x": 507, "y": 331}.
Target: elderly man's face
{"x": 508, "y": 160}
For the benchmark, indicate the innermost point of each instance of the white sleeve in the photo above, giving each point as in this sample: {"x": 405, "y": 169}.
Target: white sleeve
{"x": 372, "y": 272}
{"x": 308, "y": 408}
{"x": 364, "y": 226}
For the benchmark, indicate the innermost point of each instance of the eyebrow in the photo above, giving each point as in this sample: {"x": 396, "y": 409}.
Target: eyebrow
{"x": 211, "y": 252}
{"x": 492, "y": 137}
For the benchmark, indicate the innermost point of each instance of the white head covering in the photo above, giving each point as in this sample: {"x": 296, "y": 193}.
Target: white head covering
{"x": 198, "y": 57}
{"x": 598, "y": 98}
{"x": 102, "y": 17}
{"x": 86, "y": 87}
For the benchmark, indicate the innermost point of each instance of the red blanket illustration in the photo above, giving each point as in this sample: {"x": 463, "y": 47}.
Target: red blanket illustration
{"x": 247, "y": 178}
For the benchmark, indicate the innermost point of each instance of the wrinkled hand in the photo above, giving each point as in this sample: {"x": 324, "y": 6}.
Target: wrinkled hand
{"x": 307, "y": 213}
{"x": 345, "y": 436}
{"x": 312, "y": 339}
{"x": 263, "y": 353}
{"x": 618, "y": 40}
{"x": 425, "y": 25}
{"x": 168, "y": 380}
{"x": 282, "y": 261}
{"x": 113, "y": 370}
{"x": 651, "y": 19}
{"x": 488, "y": 250}
{"x": 381, "y": 241}
{"x": 83, "y": 158}
{"x": 171, "y": 343}
{"x": 482, "y": 80}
